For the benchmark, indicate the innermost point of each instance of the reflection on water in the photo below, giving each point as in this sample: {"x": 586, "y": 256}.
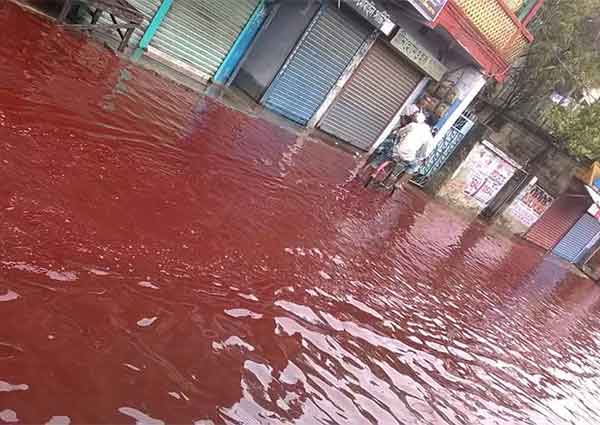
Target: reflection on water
{"x": 165, "y": 259}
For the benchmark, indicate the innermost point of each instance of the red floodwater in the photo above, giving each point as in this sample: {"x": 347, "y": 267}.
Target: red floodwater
{"x": 165, "y": 259}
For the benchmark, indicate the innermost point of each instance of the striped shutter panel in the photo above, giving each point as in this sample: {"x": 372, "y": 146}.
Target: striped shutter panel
{"x": 148, "y": 8}
{"x": 578, "y": 238}
{"x": 201, "y": 33}
{"x": 376, "y": 92}
{"x": 557, "y": 220}
{"x": 315, "y": 65}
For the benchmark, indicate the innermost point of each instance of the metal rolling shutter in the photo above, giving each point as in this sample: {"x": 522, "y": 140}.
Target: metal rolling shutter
{"x": 200, "y": 33}
{"x": 557, "y": 220}
{"x": 148, "y": 9}
{"x": 577, "y": 239}
{"x": 370, "y": 100}
{"x": 317, "y": 62}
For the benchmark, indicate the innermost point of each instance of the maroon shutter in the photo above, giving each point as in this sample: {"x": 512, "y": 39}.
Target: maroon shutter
{"x": 559, "y": 219}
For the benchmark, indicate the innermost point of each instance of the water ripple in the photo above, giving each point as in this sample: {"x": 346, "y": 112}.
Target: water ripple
{"x": 168, "y": 259}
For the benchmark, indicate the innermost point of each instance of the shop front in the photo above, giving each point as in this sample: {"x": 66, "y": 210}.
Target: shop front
{"x": 323, "y": 53}
{"x": 445, "y": 89}
{"x": 349, "y": 68}
{"x": 371, "y": 99}
{"x": 585, "y": 232}
{"x": 284, "y": 27}
{"x": 589, "y": 257}
{"x": 197, "y": 36}
{"x": 583, "y": 239}
{"x": 392, "y": 75}
{"x": 447, "y": 102}
{"x": 346, "y": 67}
{"x": 559, "y": 219}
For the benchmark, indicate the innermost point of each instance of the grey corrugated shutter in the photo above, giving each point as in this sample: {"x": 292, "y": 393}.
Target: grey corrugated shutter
{"x": 558, "y": 219}
{"x": 148, "y": 9}
{"x": 371, "y": 98}
{"x": 201, "y": 32}
{"x": 316, "y": 64}
{"x": 577, "y": 239}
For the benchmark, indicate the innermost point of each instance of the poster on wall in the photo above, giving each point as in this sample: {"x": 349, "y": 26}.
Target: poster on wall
{"x": 530, "y": 205}
{"x": 488, "y": 174}
{"x": 430, "y": 9}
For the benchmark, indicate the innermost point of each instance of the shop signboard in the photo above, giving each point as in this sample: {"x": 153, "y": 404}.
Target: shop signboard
{"x": 377, "y": 17}
{"x": 418, "y": 55}
{"x": 430, "y": 9}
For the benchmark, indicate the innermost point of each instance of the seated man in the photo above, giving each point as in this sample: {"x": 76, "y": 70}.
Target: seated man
{"x": 383, "y": 152}
{"x": 413, "y": 146}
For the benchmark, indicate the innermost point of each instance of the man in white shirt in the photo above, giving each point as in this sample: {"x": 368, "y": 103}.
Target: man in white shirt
{"x": 384, "y": 151}
{"x": 414, "y": 144}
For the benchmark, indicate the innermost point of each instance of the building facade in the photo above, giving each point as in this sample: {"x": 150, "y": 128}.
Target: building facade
{"x": 337, "y": 67}
{"x": 347, "y": 68}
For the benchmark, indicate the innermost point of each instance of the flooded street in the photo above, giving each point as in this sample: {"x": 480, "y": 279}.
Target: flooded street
{"x": 166, "y": 259}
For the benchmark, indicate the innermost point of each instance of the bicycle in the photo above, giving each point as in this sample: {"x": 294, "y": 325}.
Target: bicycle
{"x": 387, "y": 175}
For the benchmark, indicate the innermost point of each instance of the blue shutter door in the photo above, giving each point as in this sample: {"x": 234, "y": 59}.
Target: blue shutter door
{"x": 577, "y": 238}
{"x": 315, "y": 65}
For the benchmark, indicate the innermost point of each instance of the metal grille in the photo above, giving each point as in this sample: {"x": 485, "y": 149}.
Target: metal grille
{"x": 317, "y": 62}
{"x": 495, "y": 24}
{"x": 512, "y": 52}
{"x": 200, "y": 33}
{"x": 574, "y": 242}
{"x": 370, "y": 100}
{"x": 446, "y": 147}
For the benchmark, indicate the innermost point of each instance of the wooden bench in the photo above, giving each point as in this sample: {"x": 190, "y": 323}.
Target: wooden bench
{"x": 117, "y": 9}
